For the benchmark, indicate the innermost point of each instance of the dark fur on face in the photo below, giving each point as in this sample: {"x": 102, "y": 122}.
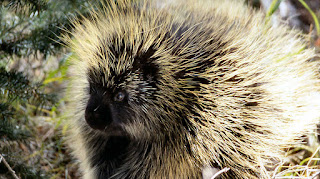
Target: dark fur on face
{"x": 108, "y": 107}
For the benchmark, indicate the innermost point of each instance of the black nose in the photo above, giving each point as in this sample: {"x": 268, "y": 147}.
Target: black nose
{"x": 97, "y": 115}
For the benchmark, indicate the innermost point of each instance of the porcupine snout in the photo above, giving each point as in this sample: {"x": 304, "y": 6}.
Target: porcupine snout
{"x": 98, "y": 113}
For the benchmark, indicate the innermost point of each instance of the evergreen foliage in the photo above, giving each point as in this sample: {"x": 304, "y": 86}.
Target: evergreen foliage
{"x": 16, "y": 93}
{"x": 29, "y": 29}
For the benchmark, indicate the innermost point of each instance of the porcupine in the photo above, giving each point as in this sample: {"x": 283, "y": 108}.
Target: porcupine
{"x": 164, "y": 90}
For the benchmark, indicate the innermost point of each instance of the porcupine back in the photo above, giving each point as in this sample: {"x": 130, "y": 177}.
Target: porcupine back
{"x": 223, "y": 88}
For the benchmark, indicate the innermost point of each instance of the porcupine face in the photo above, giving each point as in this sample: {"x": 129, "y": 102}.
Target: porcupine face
{"x": 120, "y": 88}
{"x": 134, "y": 77}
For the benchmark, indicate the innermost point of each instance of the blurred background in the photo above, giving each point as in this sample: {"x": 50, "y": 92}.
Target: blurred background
{"x": 33, "y": 76}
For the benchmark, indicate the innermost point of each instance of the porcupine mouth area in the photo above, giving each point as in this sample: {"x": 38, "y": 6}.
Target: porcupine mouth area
{"x": 112, "y": 129}
{"x": 104, "y": 126}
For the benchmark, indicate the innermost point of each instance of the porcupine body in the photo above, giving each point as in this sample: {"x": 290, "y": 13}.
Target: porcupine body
{"x": 162, "y": 91}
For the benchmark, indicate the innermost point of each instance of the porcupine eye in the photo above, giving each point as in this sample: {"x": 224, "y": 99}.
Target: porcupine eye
{"x": 119, "y": 96}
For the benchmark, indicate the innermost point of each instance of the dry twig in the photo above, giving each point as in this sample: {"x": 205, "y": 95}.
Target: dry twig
{"x": 2, "y": 159}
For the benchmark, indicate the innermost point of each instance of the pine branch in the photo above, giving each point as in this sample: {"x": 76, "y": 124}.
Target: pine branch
{"x": 25, "y": 7}
{"x": 14, "y": 85}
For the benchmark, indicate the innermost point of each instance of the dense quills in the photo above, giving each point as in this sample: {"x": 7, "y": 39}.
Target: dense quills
{"x": 163, "y": 90}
